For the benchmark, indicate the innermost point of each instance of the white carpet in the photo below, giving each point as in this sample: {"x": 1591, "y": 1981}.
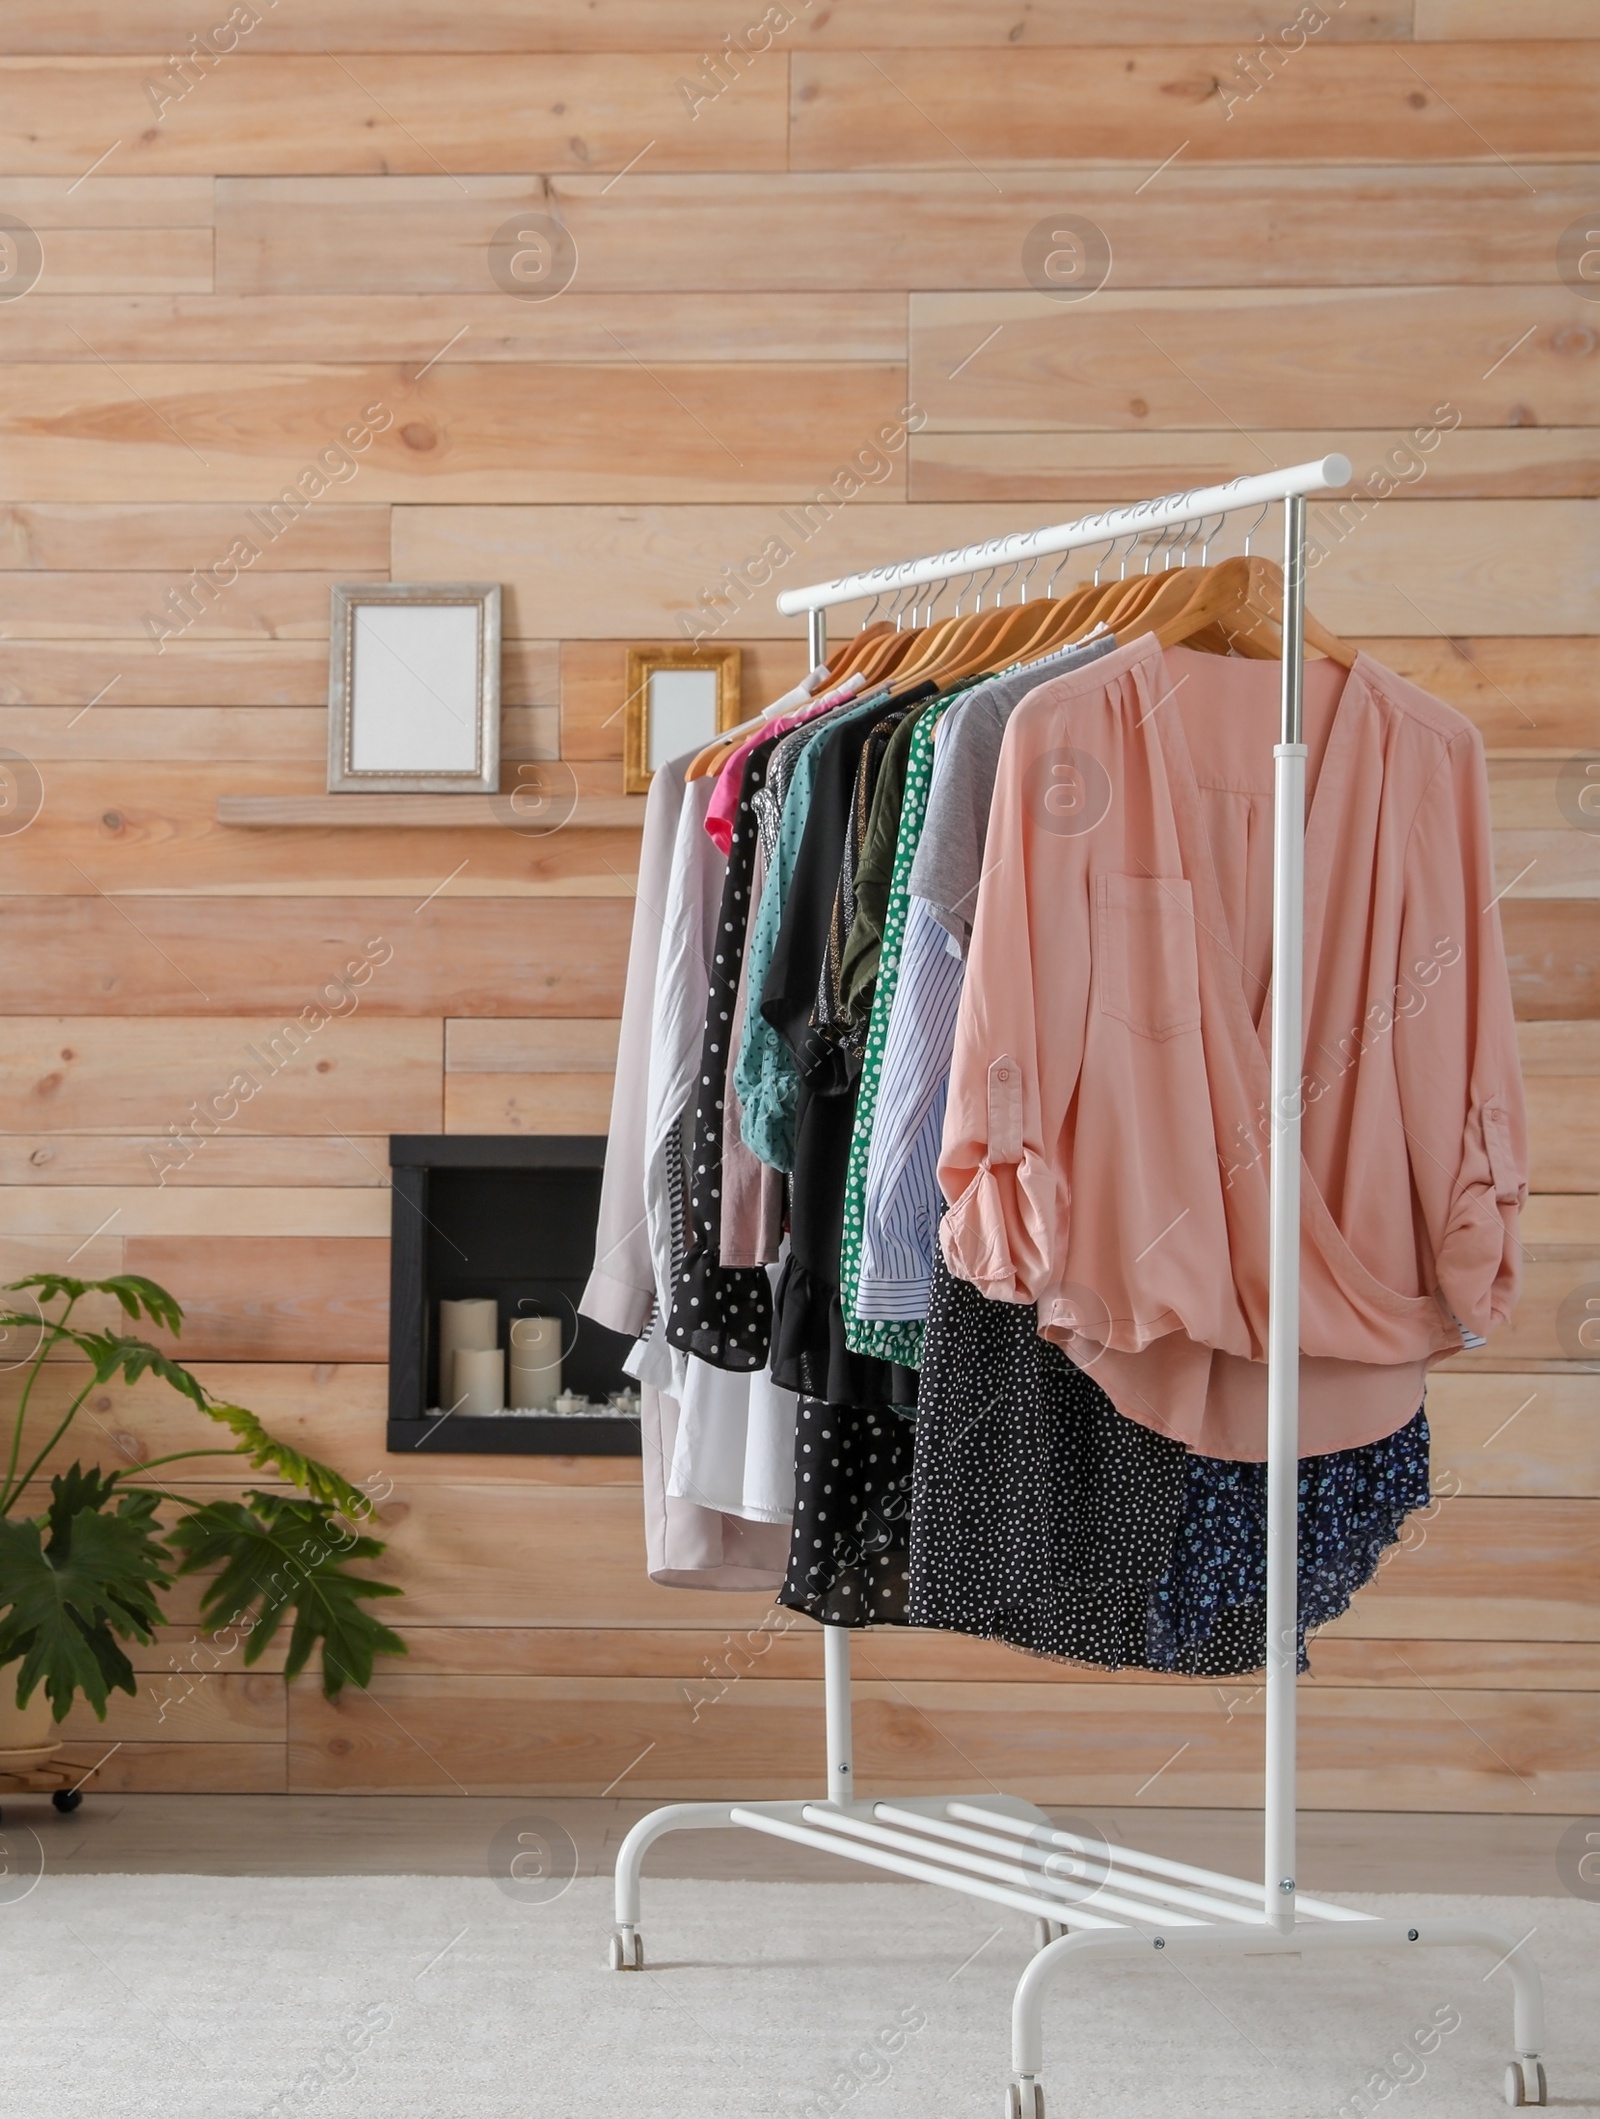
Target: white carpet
{"x": 192, "y": 1997}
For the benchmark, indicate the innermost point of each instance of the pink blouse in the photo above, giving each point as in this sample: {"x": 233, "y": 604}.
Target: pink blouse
{"x": 1105, "y": 1145}
{"x": 725, "y": 802}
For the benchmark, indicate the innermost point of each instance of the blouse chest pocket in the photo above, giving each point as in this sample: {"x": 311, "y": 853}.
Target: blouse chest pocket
{"x": 1148, "y": 971}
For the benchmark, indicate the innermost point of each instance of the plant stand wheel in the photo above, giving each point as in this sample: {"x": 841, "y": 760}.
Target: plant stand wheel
{"x": 1024, "y": 2098}
{"x": 64, "y": 1782}
{"x": 1525, "y": 2083}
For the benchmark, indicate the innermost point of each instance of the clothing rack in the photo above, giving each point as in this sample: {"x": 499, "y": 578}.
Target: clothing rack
{"x": 1087, "y": 1895}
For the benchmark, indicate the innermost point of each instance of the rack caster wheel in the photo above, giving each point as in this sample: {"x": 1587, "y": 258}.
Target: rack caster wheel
{"x": 627, "y": 1950}
{"x": 66, "y": 1800}
{"x": 1024, "y": 2098}
{"x": 1525, "y": 2083}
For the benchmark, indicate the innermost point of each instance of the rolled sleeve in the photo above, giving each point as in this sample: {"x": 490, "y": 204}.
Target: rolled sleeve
{"x": 1456, "y": 1054}
{"x": 1018, "y": 1049}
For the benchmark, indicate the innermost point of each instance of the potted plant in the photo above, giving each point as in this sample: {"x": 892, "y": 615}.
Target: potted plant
{"x": 87, "y": 1571}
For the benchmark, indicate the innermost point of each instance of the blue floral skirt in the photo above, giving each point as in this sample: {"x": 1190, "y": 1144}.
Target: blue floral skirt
{"x": 1210, "y": 1608}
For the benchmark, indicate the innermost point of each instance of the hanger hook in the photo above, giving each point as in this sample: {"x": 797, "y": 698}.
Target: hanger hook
{"x": 1050, "y": 585}
{"x": 977, "y": 601}
{"x": 1186, "y": 543}
{"x": 1207, "y": 535}
{"x": 1260, "y": 519}
{"x": 961, "y": 592}
{"x": 1033, "y": 568}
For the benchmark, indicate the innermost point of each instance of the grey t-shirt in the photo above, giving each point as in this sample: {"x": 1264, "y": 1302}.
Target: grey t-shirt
{"x": 949, "y": 859}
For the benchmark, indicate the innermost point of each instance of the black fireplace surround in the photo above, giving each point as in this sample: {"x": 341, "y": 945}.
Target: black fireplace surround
{"x": 512, "y": 1216}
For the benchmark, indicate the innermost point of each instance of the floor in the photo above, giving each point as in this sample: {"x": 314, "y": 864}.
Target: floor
{"x": 445, "y": 1997}
{"x": 393, "y": 1835}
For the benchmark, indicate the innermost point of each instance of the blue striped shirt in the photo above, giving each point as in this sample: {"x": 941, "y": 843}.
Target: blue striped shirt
{"x": 904, "y": 1205}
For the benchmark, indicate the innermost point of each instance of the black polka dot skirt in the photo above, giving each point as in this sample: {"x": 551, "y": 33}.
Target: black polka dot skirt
{"x": 1040, "y": 1515}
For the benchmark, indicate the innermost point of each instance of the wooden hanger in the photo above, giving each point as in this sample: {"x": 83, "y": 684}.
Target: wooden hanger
{"x": 1123, "y": 611}
{"x": 850, "y": 655}
{"x": 962, "y": 639}
{"x": 1244, "y": 599}
{"x": 1030, "y": 623}
{"x": 891, "y": 654}
{"x": 1025, "y": 647}
{"x": 1007, "y": 639}
{"x": 719, "y": 754}
{"x": 710, "y": 761}
{"x": 1070, "y": 619}
{"x": 1176, "y": 590}
{"x": 722, "y": 746}
{"x": 1089, "y": 607}
{"x": 998, "y": 646}
{"x": 933, "y": 642}
{"x": 1317, "y": 635}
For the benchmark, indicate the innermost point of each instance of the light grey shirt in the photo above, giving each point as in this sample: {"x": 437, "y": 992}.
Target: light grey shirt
{"x": 949, "y": 861}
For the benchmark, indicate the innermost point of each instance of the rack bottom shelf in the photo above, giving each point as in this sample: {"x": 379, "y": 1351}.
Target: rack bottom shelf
{"x": 1087, "y": 1895}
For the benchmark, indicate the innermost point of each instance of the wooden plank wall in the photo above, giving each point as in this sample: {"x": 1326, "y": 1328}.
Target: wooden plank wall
{"x": 241, "y": 253}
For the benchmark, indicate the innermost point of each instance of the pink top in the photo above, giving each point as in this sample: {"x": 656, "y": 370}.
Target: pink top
{"x": 1105, "y": 1143}
{"x": 725, "y": 802}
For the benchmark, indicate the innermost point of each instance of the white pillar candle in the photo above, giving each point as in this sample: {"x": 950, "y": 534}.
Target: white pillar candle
{"x": 535, "y": 1363}
{"x": 479, "y": 1380}
{"x": 471, "y": 1322}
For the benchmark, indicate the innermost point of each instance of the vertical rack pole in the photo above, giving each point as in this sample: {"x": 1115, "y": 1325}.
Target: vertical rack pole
{"x": 836, "y": 1699}
{"x": 835, "y": 1639}
{"x": 1283, "y": 1327}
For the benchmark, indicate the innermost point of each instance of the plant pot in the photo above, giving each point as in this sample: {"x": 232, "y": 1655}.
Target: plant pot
{"x": 29, "y": 1736}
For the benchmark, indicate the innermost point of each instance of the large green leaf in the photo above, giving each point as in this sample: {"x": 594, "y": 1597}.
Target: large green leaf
{"x": 114, "y": 1355}
{"x": 138, "y": 1296}
{"x": 279, "y": 1556}
{"x": 265, "y": 1452}
{"x": 70, "y": 1584}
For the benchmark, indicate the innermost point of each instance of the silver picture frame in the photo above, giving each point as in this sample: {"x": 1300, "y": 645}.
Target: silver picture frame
{"x": 414, "y": 687}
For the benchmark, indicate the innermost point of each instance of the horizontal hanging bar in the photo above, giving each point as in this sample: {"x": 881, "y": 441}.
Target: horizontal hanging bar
{"x": 1159, "y": 514}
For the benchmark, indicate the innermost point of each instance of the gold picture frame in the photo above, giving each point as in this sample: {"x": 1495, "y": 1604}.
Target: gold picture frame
{"x": 664, "y": 715}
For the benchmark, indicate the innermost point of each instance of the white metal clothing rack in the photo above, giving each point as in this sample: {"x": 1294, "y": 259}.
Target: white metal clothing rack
{"x": 1088, "y": 1896}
